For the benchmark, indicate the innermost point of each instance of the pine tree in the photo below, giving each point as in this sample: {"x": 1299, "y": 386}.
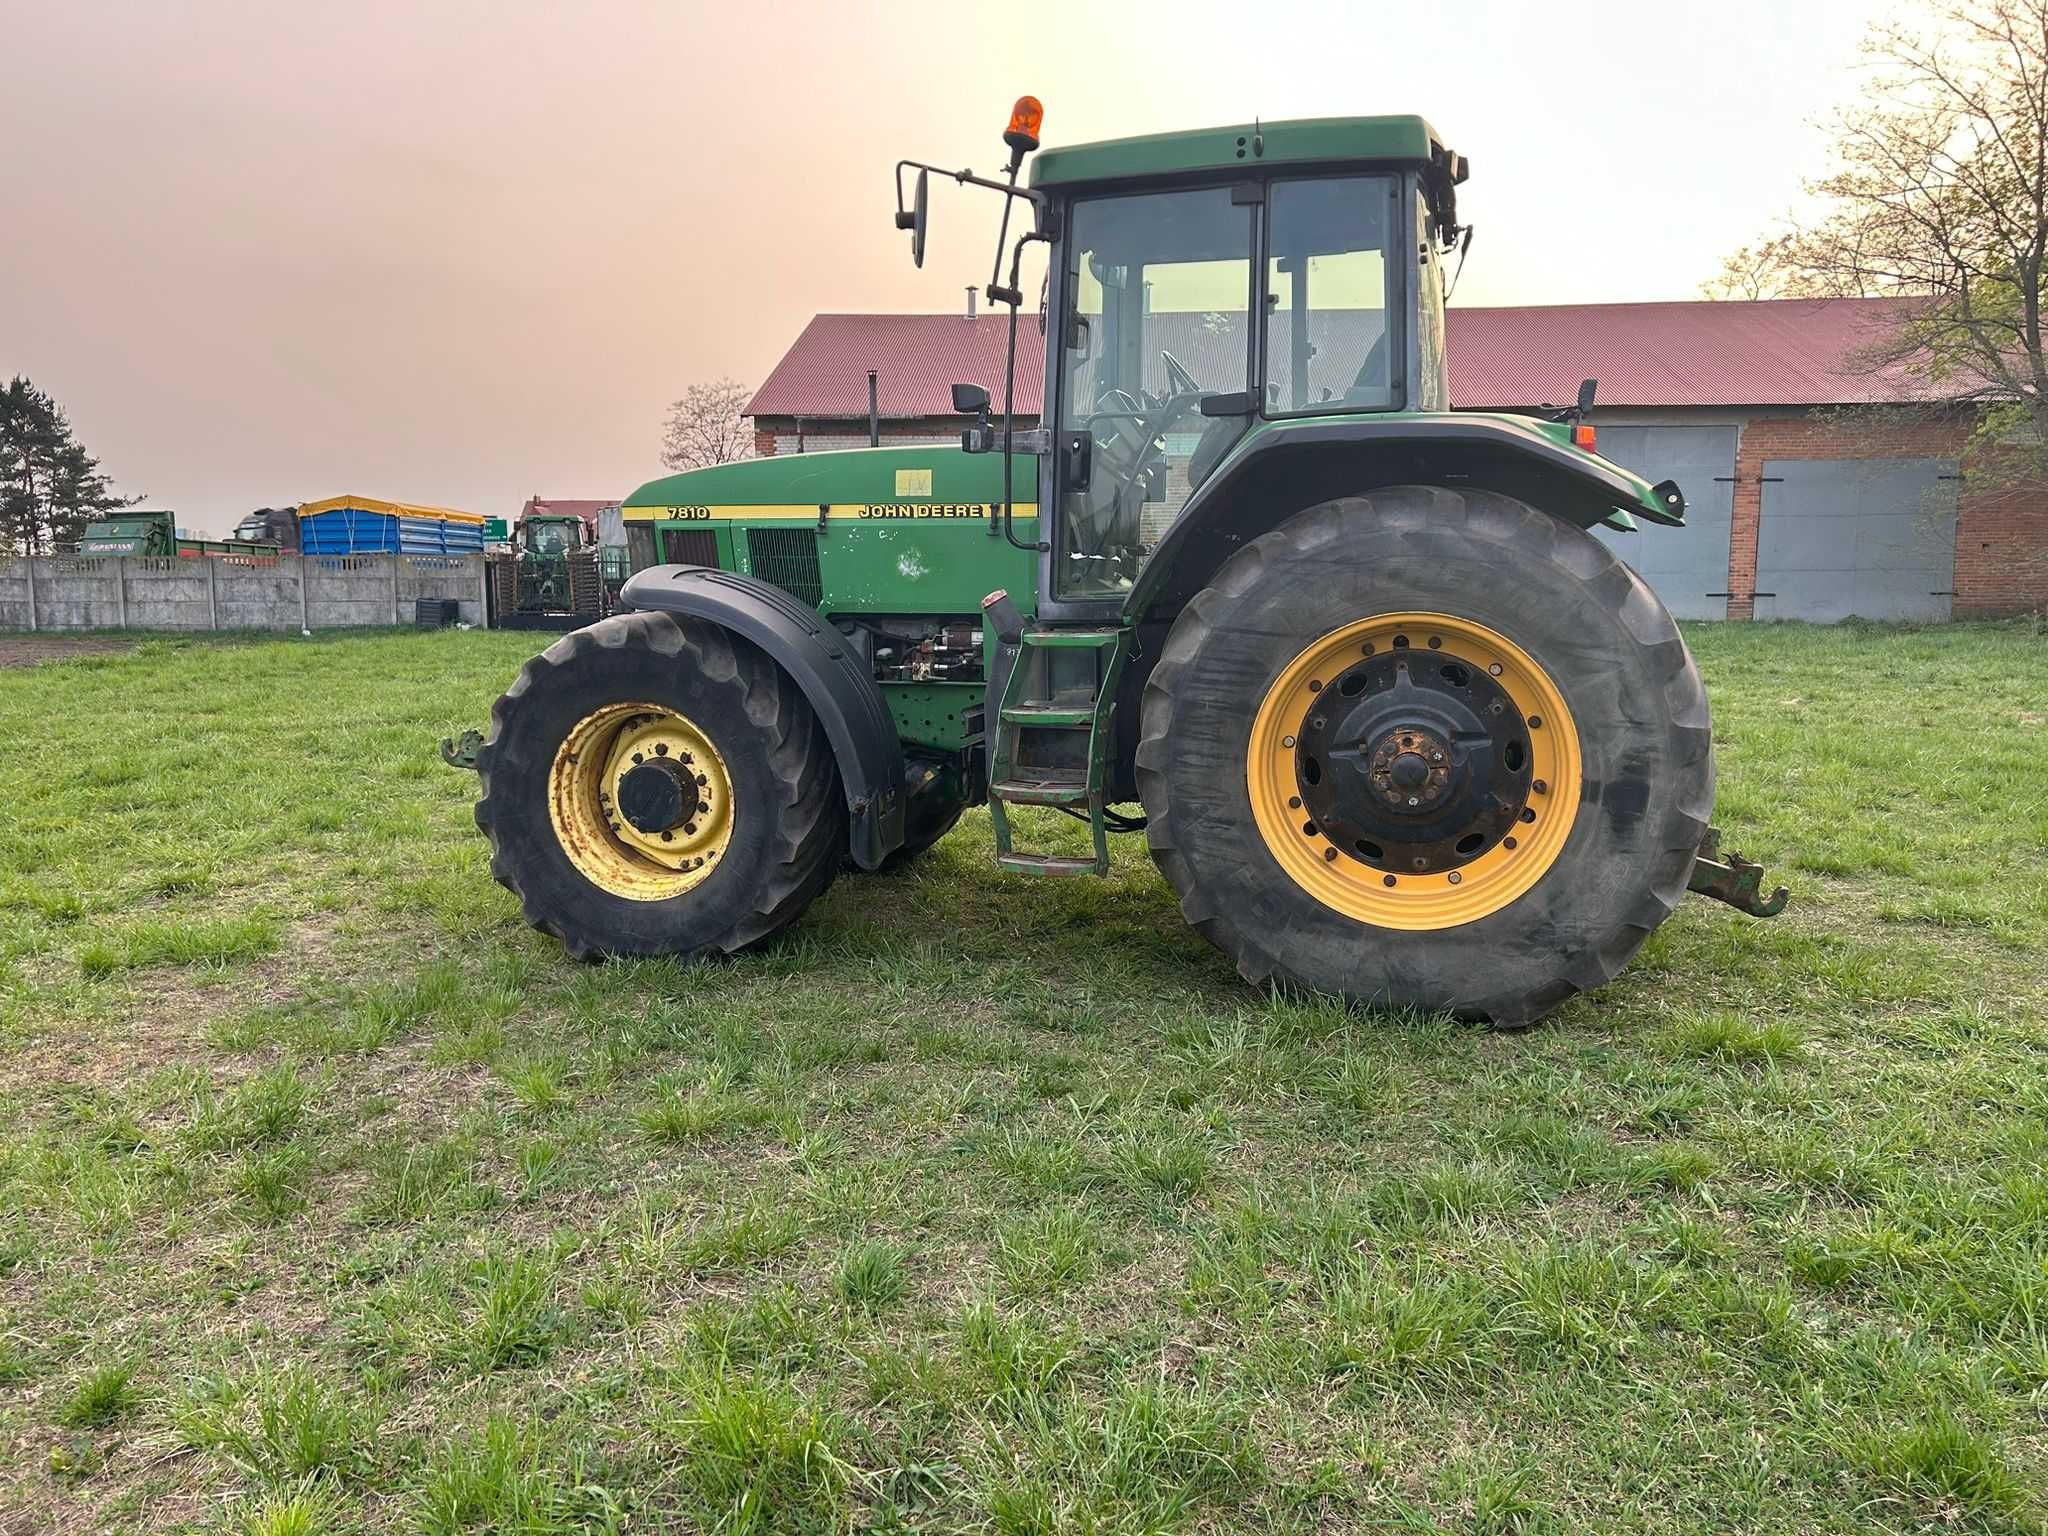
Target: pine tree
{"x": 50, "y": 487}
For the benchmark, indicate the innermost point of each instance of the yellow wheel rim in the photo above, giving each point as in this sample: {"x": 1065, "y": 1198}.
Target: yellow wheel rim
{"x": 641, "y": 801}
{"x": 1414, "y": 771}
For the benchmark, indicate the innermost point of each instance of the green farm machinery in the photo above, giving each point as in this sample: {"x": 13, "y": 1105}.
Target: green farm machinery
{"x": 1395, "y": 725}
{"x": 134, "y": 531}
{"x": 556, "y": 576}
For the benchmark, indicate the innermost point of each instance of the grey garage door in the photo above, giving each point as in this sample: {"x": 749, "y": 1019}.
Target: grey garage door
{"x": 1870, "y": 538}
{"x": 1682, "y": 565}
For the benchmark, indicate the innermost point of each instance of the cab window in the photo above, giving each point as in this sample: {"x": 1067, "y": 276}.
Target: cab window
{"x": 1330, "y": 341}
{"x": 1158, "y": 315}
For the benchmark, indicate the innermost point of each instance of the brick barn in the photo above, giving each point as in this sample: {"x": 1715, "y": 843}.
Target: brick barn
{"x": 1802, "y": 504}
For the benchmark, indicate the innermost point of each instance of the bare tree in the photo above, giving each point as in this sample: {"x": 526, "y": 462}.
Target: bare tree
{"x": 706, "y": 427}
{"x": 1765, "y": 271}
{"x": 1939, "y": 194}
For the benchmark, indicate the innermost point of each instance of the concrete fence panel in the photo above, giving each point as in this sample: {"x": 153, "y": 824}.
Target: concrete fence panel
{"x": 16, "y": 596}
{"x": 458, "y": 576}
{"x": 165, "y": 592}
{"x": 78, "y": 592}
{"x": 287, "y": 593}
{"x": 351, "y": 591}
{"x": 257, "y": 593}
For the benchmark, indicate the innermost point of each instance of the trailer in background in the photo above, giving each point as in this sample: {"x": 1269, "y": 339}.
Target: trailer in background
{"x": 154, "y": 532}
{"x": 365, "y": 525}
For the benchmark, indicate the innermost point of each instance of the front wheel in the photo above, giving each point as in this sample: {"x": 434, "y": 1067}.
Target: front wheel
{"x": 654, "y": 785}
{"x": 1427, "y": 748}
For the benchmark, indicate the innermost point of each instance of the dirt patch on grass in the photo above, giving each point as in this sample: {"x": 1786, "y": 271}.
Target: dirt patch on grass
{"x": 30, "y": 650}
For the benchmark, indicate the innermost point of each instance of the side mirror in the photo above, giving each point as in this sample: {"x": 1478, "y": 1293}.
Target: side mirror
{"x": 1587, "y": 389}
{"x": 914, "y": 220}
{"x": 972, "y": 400}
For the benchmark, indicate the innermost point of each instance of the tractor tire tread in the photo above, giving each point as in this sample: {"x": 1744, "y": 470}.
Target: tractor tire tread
{"x": 804, "y": 802}
{"x": 1419, "y": 518}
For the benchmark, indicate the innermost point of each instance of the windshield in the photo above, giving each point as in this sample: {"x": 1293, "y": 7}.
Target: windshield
{"x": 1158, "y": 290}
{"x": 548, "y": 539}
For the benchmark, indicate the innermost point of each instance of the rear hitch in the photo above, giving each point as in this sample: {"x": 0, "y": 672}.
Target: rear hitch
{"x": 1734, "y": 880}
{"x": 461, "y": 751}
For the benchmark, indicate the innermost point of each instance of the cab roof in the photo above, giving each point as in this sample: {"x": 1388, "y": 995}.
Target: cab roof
{"x": 1300, "y": 141}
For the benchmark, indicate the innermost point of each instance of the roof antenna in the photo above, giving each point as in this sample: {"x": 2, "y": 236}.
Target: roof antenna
{"x": 1258, "y": 140}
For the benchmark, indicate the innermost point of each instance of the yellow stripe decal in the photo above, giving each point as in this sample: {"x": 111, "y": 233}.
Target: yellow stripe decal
{"x": 865, "y": 511}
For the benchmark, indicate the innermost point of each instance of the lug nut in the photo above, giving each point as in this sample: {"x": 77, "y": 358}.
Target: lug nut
{"x": 1540, "y": 787}
{"x": 1455, "y": 877}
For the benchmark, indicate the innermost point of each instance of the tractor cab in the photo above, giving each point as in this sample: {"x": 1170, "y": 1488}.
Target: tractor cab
{"x": 553, "y": 538}
{"x": 1208, "y": 280}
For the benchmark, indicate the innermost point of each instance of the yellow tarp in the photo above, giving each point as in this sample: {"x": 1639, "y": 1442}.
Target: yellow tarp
{"x": 394, "y": 508}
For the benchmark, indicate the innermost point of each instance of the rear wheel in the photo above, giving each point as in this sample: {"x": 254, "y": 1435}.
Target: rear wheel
{"x": 1427, "y": 748}
{"x": 659, "y": 786}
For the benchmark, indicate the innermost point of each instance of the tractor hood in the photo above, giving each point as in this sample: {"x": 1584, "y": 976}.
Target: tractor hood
{"x": 922, "y": 480}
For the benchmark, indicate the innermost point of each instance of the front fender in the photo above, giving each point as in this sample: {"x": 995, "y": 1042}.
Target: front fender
{"x": 841, "y": 691}
{"x": 1278, "y": 468}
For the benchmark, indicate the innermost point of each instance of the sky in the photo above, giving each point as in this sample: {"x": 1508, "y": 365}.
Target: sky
{"x": 464, "y": 253}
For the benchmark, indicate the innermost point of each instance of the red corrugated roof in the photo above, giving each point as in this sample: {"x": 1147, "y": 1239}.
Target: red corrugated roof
{"x": 917, "y": 359}
{"x": 1692, "y": 352}
{"x": 1688, "y": 353}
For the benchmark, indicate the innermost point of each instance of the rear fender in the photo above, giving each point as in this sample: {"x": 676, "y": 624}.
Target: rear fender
{"x": 841, "y": 692}
{"x": 1278, "y": 469}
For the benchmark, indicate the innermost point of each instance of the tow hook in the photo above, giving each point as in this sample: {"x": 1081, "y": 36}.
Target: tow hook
{"x": 1734, "y": 880}
{"x": 461, "y": 751}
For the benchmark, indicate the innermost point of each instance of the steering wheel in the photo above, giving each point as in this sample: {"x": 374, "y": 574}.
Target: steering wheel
{"x": 1126, "y": 452}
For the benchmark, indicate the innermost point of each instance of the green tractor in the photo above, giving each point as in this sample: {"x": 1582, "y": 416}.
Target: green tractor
{"x": 1394, "y": 723}
{"x": 555, "y": 577}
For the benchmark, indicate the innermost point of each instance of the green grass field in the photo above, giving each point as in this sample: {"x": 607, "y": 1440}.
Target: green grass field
{"x": 334, "y": 1200}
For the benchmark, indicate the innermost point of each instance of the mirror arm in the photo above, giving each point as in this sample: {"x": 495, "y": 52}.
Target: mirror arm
{"x": 1038, "y": 200}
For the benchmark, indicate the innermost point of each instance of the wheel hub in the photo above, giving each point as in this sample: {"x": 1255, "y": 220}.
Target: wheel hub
{"x": 1410, "y": 767}
{"x": 657, "y": 796}
{"x": 1413, "y": 761}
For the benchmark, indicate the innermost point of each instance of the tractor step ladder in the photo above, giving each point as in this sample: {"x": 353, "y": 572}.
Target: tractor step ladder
{"x": 1068, "y": 711}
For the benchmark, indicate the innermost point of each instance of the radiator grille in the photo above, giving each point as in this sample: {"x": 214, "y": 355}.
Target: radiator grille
{"x": 688, "y": 546}
{"x": 787, "y": 558}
